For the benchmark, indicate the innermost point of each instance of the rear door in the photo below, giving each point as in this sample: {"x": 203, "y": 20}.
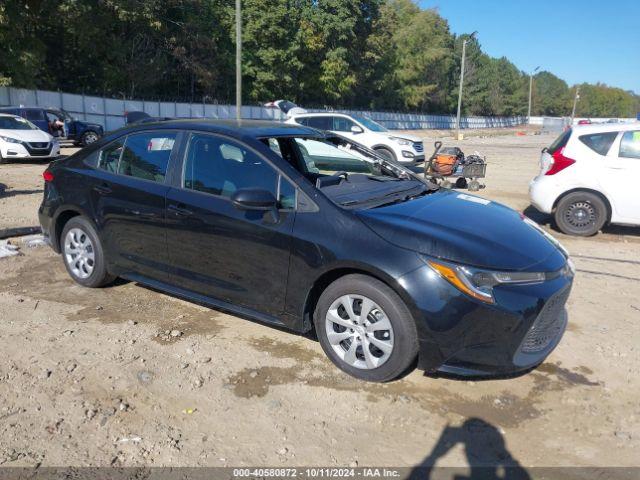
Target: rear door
{"x": 620, "y": 177}
{"x": 218, "y": 250}
{"x": 128, "y": 195}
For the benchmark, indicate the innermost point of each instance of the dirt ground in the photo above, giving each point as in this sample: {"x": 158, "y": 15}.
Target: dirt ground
{"x": 128, "y": 376}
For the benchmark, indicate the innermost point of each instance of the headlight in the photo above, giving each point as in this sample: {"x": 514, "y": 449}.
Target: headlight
{"x": 10, "y": 140}
{"x": 401, "y": 141}
{"x": 479, "y": 283}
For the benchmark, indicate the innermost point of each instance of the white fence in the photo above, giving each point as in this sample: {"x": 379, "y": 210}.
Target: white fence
{"x": 109, "y": 112}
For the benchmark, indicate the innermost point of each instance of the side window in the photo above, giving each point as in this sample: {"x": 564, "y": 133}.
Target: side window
{"x": 342, "y": 124}
{"x": 630, "y": 145}
{"x": 109, "y": 156}
{"x": 599, "y": 142}
{"x": 146, "y": 155}
{"x": 220, "y": 167}
{"x": 321, "y": 123}
{"x": 34, "y": 114}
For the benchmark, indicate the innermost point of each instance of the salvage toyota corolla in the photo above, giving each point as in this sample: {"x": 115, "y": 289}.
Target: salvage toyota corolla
{"x": 297, "y": 228}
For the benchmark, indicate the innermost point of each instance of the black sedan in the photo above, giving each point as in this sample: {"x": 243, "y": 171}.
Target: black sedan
{"x": 293, "y": 227}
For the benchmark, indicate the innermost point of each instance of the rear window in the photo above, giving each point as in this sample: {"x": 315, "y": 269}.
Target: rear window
{"x": 560, "y": 142}
{"x": 599, "y": 142}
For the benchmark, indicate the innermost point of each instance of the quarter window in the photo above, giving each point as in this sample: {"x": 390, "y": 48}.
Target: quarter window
{"x": 146, "y": 155}
{"x": 220, "y": 167}
{"x": 630, "y": 145}
{"x": 599, "y": 142}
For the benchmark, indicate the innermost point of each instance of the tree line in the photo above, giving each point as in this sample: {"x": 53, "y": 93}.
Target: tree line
{"x": 370, "y": 54}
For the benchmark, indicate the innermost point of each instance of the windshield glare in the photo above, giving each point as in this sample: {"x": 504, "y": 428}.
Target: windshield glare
{"x": 16, "y": 123}
{"x": 370, "y": 124}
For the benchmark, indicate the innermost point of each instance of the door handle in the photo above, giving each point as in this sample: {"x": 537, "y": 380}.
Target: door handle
{"x": 103, "y": 189}
{"x": 178, "y": 210}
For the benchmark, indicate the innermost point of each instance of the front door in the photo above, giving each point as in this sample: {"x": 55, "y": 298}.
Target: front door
{"x": 621, "y": 171}
{"x": 217, "y": 249}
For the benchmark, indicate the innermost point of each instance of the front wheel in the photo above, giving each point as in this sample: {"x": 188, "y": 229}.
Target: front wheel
{"x": 83, "y": 254}
{"x": 365, "y": 329}
{"x": 581, "y": 213}
{"x": 386, "y": 153}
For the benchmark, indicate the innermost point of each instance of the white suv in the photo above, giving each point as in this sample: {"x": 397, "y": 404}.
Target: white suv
{"x": 407, "y": 149}
{"x": 589, "y": 176}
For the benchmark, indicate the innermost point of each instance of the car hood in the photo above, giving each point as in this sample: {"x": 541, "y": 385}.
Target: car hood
{"x": 465, "y": 229}
{"x": 27, "y": 135}
{"x": 411, "y": 138}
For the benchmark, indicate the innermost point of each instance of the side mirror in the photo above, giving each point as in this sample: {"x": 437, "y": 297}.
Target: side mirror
{"x": 356, "y": 129}
{"x": 254, "y": 199}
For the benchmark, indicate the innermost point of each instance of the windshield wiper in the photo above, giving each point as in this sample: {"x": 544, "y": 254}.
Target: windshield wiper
{"x": 392, "y": 197}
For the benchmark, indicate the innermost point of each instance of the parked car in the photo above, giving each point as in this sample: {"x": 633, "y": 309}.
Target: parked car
{"x": 403, "y": 148}
{"x": 588, "y": 177}
{"x": 389, "y": 269}
{"x": 81, "y": 133}
{"x": 285, "y": 106}
{"x": 21, "y": 139}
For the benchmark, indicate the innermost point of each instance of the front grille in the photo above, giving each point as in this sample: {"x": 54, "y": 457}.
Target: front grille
{"x": 547, "y": 326}
{"x": 39, "y": 144}
{"x": 418, "y": 147}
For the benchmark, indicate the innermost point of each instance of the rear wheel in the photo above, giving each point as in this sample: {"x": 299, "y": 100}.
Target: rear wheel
{"x": 83, "y": 254}
{"x": 365, "y": 328}
{"x": 581, "y": 213}
{"x": 88, "y": 138}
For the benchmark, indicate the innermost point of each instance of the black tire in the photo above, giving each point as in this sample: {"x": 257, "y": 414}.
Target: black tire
{"x": 99, "y": 275}
{"x": 386, "y": 153}
{"x": 89, "y": 137}
{"x": 461, "y": 182}
{"x": 404, "y": 336}
{"x": 581, "y": 213}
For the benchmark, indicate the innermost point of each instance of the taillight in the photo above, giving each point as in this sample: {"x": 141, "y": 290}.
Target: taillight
{"x": 560, "y": 162}
{"x": 48, "y": 176}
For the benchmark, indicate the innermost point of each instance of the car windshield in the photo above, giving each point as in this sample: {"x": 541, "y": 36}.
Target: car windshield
{"x": 370, "y": 124}
{"x": 16, "y": 123}
{"x": 353, "y": 177}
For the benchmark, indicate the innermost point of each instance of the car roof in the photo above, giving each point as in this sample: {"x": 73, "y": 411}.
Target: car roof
{"x": 605, "y": 127}
{"x": 321, "y": 114}
{"x": 9, "y": 115}
{"x": 233, "y": 128}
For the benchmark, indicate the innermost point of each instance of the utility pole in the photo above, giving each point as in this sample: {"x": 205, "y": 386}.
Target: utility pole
{"x": 238, "y": 60}
{"x": 531, "y": 90}
{"x": 575, "y": 103}
{"x": 464, "y": 52}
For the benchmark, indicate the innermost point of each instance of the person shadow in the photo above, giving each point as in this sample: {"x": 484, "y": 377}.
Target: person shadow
{"x": 485, "y": 449}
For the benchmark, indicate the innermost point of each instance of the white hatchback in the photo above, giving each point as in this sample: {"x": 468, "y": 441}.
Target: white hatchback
{"x": 21, "y": 139}
{"x": 589, "y": 176}
{"x": 403, "y": 148}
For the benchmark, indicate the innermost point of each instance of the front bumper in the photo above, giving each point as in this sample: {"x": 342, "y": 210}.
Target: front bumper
{"x": 462, "y": 336}
{"x": 26, "y": 150}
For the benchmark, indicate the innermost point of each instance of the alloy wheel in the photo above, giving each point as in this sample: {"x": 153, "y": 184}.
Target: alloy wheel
{"x": 79, "y": 253}
{"x": 359, "y": 331}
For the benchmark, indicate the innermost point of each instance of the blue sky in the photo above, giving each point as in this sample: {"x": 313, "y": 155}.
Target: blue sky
{"x": 577, "y": 40}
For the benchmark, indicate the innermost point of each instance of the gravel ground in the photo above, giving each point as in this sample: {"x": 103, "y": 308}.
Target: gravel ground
{"x": 127, "y": 376}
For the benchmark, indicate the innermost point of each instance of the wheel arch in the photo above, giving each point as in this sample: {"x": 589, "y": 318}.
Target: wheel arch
{"x": 61, "y": 219}
{"x": 587, "y": 190}
{"x": 337, "y": 272}
{"x": 387, "y": 148}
